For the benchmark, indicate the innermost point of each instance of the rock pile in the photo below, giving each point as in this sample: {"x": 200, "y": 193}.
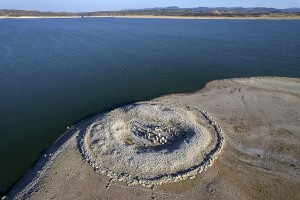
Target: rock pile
{"x": 153, "y": 134}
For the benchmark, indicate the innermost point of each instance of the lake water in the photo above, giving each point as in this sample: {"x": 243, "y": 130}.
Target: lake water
{"x": 53, "y": 72}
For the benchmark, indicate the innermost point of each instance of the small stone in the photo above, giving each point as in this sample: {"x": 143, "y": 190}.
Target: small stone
{"x": 292, "y": 165}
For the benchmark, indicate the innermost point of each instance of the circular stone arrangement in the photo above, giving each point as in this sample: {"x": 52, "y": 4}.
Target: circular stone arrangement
{"x": 151, "y": 143}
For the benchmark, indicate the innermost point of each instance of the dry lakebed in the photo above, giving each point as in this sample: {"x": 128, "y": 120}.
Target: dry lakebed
{"x": 234, "y": 139}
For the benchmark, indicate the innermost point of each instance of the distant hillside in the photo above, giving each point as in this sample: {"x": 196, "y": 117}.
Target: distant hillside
{"x": 21, "y": 13}
{"x": 168, "y": 11}
{"x": 230, "y": 9}
{"x": 204, "y": 11}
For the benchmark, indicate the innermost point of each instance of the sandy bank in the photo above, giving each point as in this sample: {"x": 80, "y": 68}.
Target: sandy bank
{"x": 260, "y": 119}
{"x": 41, "y": 17}
{"x": 160, "y": 17}
{"x": 187, "y": 17}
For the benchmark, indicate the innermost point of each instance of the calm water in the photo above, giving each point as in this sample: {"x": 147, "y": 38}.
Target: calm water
{"x": 53, "y": 72}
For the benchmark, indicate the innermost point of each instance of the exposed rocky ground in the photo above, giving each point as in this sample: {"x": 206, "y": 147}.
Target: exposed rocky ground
{"x": 260, "y": 119}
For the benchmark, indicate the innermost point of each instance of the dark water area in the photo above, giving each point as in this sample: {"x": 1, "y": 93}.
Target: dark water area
{"x": 54, "y": 72}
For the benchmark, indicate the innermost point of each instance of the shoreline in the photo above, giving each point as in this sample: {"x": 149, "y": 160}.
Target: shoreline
{"x": 157, "y": 17}
{"x": 32, "y": 180}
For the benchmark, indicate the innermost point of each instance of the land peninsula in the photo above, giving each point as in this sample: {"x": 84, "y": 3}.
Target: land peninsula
{"x": 167, "y": 12}
{"x": 234, "y": 139}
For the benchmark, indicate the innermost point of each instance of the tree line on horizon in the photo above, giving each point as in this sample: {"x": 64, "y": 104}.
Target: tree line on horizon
{"x": 168, "y": 11}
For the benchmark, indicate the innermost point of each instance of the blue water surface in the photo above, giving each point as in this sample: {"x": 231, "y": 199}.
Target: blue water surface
{"x": 53, "y": 72}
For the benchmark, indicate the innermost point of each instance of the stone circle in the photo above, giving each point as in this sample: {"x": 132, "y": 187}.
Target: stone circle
{"x": 151, "y": 143}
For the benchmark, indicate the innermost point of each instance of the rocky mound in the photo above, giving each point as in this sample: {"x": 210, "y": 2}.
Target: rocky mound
{"x": 150, "y": 143}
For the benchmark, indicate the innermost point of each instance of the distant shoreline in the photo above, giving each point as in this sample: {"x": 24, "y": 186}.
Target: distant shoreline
{"x": 156, "y": 17}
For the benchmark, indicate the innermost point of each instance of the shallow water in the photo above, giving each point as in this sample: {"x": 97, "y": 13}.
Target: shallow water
{"x": 53, "y": 72}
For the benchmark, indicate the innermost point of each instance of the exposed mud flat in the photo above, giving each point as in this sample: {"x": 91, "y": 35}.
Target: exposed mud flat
{"x": 259, "y": 159}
